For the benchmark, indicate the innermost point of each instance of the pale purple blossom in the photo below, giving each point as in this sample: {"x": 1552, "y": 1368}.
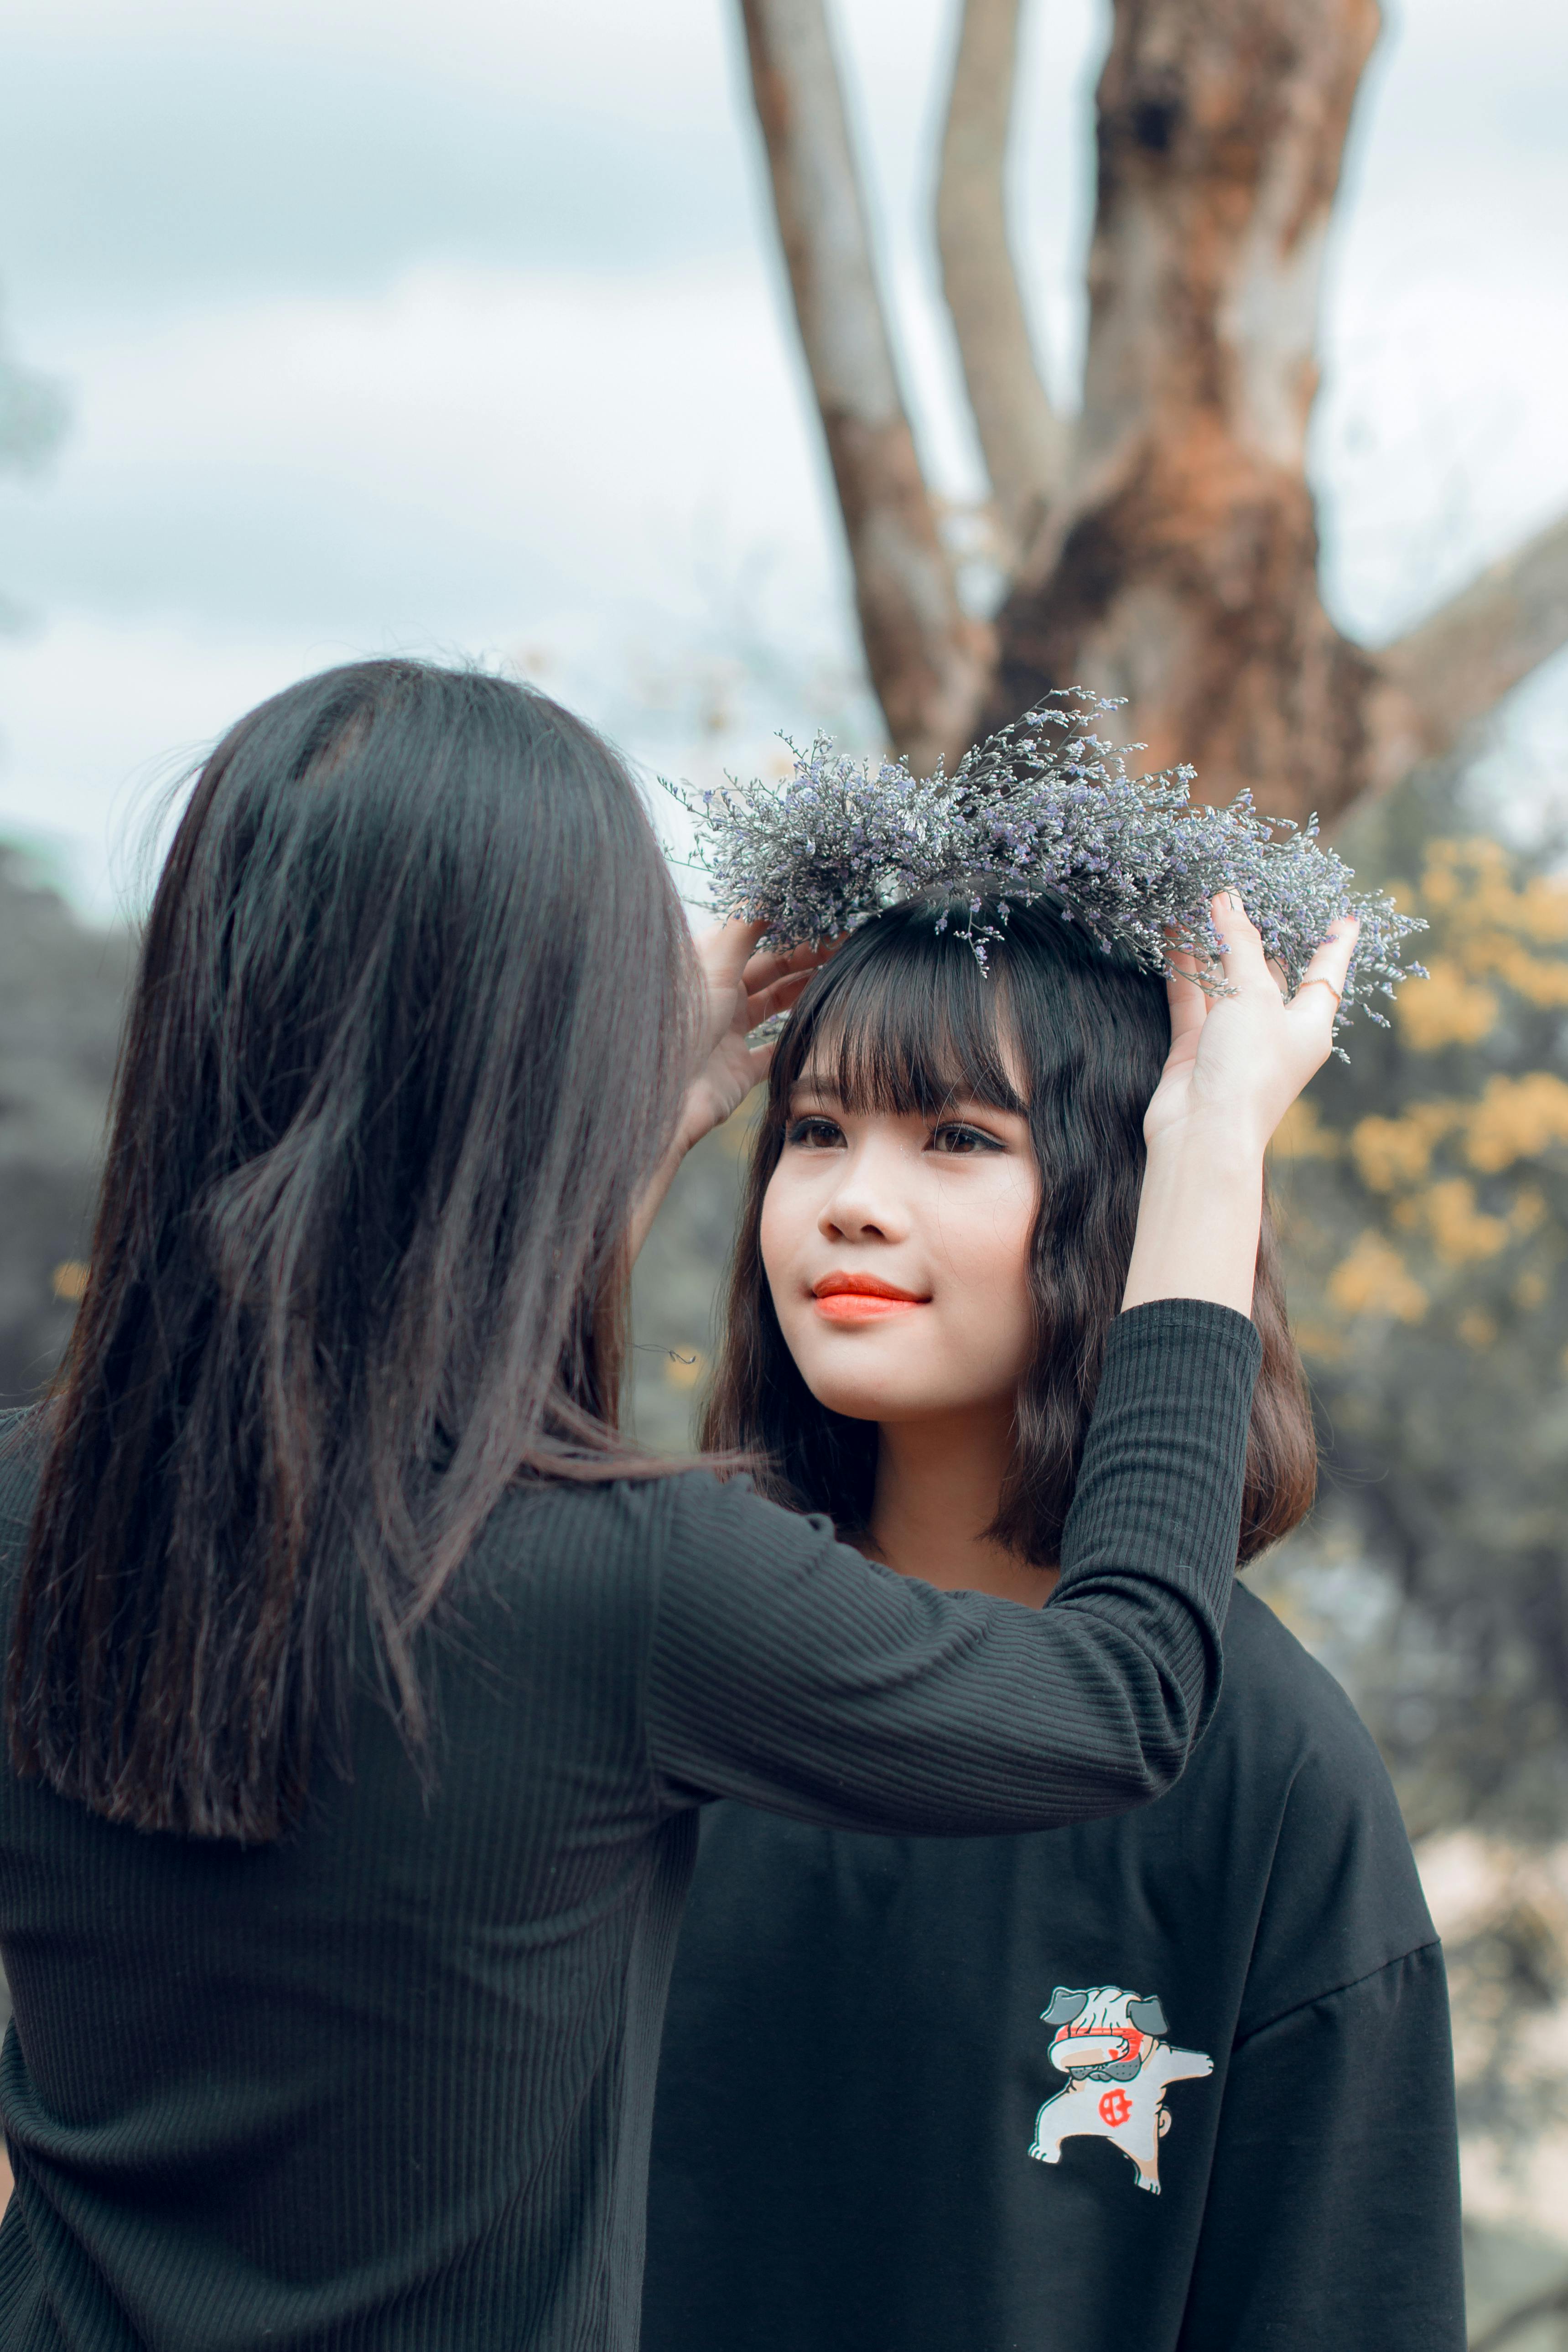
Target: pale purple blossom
{"x": 1043, "y": 810}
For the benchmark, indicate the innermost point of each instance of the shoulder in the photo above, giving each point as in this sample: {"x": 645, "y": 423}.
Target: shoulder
{"x": 688, "y": 1508}
{"x": 1343, "y": 1898}
{"x": 729, "y": 1511}
{"x": 1279, "y": 1697}
{"x": 689, "y": 1527}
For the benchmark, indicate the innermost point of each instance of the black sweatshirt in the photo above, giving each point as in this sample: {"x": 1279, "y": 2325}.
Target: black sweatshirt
{"x": 389, "y": 2083}
{"x": 910, "y": 2093}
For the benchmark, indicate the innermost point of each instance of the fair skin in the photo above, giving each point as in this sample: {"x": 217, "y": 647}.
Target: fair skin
{"x": 897, "y": 1248}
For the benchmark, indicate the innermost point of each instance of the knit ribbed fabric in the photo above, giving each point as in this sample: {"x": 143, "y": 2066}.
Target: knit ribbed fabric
{"x": 388, "y": 2083}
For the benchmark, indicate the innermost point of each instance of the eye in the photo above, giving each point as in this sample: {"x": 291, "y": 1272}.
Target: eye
{"x": 813, "y": 1133}
{"x": 955, "y": 1137}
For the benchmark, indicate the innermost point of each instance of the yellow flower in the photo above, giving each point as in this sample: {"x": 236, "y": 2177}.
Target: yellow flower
{"x": 1444, "y": 1009}
{"x": 1389, "y": 1152}
{"x": 1460, "y": 1232}
{"x": 1374, "y": 1280}
{"x": 1530, "y": 1211}
{"x": 1515, "y": 1119}
{"x": 1477, "y": 1328}
{"x": 1302, "y": 1135}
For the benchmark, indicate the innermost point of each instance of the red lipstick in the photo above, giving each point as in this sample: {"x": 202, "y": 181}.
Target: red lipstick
{"x": 862, "y": 1298}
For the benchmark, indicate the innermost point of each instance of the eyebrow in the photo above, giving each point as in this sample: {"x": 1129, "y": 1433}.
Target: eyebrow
{"x": 827, "y": 1090}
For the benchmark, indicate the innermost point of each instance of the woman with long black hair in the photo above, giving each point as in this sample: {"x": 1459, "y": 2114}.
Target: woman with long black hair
{"x": 363, "y": 1684}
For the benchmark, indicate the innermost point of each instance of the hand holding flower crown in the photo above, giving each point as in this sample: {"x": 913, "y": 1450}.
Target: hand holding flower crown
{"x": 742, "y": 988}
{"x": 739, "y": 989}
{"x": 1238, "y": 1059}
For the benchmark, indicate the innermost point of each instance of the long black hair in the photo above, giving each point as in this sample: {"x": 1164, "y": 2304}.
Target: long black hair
{"x": 903, "y": 1020}
{"x": 409, "y": 1035}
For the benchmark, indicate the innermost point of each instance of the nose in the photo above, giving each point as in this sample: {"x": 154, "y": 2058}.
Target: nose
{"x": 867, "y": 1204}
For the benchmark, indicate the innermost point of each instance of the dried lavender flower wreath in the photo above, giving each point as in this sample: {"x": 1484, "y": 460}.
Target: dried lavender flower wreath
{"x": 1044, "y": 809}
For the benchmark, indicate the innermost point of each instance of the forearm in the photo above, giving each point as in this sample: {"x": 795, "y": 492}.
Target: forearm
{"x": 1198, "y": 1220}
{"x": 789, "y": 1672}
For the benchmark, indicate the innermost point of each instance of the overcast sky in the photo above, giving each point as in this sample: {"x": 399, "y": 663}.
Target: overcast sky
{"x": 460, "y": 329}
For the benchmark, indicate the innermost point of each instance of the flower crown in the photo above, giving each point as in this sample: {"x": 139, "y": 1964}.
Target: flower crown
{"x": 1044, "y": 809}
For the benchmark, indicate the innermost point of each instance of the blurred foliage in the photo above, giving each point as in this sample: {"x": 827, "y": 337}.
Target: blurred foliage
{"x": 33, "y": 419}
{"x": 1424, "y": 1192}
{"x": 61, "y": 989}
{"x": 677, "y": 1291}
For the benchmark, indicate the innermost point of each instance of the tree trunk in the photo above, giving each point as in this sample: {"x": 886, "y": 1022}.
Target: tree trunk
{"x": 1024, "y": 443}
{"x": 1179, "y": 569}
{"x": 929, "y": 661}
{"x": 1174, "y": 557}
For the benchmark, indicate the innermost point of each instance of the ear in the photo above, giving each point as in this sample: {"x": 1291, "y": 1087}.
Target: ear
{"x": 1147, "y": 2015}
{"x": 1064, "y": 2006}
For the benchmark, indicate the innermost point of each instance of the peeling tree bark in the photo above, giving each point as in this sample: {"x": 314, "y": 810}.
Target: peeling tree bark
{"x": 1022, "y": 438}
{"x": 929, "y": 661}
{"x": 1174, "y": 554}
{"x": 1181, "y": 568}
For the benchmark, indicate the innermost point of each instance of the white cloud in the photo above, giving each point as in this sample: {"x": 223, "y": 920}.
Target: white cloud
{"x": 465, "y": 333}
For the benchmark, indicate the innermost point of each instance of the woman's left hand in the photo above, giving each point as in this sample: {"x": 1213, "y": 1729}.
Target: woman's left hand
{"x": 740, "y": 988}
{"x": 1237, "y": 1061}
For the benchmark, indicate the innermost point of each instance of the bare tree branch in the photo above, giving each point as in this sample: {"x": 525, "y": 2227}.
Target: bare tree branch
{"x": 1023, "y": 439}
{"x": 1458, "y": 663}
{"x": 929, "y": 662}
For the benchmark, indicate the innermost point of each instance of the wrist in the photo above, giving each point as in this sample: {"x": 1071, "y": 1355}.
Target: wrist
{"x": 1220, "y": 1150}
{"x": 1198, "y": 1219}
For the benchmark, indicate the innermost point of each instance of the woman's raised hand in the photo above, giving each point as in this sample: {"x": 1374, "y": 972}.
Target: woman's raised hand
{"x": 1236, "y": 1063}
{"x": 739, "y": 990}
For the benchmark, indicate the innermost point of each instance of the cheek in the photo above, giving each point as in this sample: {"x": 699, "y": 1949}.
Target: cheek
{"x": 987, "y": 1296}
{"x": 787, "y": 1225}
{"x": 985, "y": 1240}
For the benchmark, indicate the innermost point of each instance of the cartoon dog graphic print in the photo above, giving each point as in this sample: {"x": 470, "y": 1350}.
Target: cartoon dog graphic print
{"x": 1111, "y": 2044}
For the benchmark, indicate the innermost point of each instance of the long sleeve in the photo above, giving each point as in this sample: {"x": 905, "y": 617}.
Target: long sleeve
{"x": 787, "y": 1671}
{"x": 1332, "y": 2215}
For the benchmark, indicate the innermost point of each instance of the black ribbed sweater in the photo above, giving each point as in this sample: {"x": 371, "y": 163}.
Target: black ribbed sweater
{"x": 389, "y": 2083}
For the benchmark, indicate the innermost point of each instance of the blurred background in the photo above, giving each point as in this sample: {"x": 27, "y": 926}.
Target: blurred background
{"x": 1210, "y": 358}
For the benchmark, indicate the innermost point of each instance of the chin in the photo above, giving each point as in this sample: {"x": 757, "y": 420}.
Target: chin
{"x": 853, "y": 1402}
{"x": 857, "y": 1393}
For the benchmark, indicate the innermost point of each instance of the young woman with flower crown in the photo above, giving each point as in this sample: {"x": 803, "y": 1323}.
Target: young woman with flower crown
{"x": 1175, "y": 2081}
{"x": 363, "y": 1684}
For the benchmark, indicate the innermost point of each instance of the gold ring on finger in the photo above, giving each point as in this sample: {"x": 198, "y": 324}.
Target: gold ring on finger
{"x": 1319, "y": 982}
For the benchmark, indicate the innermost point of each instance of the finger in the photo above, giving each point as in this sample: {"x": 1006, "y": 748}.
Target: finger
{"x": 762, "y": 1003}
{"x": 776, "y": 963}
{"x": 759, "y": 1062}
{"x": 1332, "y": 959}
{"x": 1320, "y": 1004}
{"x": 724, "y": 949}
{"x": 1241, "y": 956}
{"x": 1188, "y": 1002}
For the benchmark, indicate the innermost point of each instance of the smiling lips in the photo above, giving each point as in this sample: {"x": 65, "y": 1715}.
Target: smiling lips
{"x": 862, "y": 1298}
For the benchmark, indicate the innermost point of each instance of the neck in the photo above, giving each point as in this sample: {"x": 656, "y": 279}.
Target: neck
{"x": 939, "y": 1483}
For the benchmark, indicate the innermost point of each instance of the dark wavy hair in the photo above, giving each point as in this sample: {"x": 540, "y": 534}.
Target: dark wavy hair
{"x": 409, "y": 1035}
{"x": 902, "y": 1020}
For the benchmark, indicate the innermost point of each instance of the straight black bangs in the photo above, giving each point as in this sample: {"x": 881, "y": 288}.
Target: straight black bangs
{"x": 904, "y": 1020}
